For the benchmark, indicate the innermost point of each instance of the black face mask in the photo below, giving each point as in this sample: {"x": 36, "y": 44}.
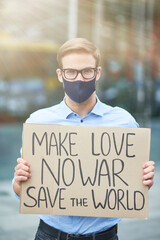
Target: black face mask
{"x": 79, "y": 91}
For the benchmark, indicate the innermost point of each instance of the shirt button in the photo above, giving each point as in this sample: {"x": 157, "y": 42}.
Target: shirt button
{"x": 75, "y": 114}
{"x": 81, "y": 120}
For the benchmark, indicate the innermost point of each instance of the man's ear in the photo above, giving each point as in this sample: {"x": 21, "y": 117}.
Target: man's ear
{"x": 99, "y": 69}
{"x": 59, "y": 75}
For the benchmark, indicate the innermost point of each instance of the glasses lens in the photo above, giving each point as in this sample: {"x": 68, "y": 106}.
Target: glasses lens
{"x": 88, "y": 73}
{"x": 70, "y": 73}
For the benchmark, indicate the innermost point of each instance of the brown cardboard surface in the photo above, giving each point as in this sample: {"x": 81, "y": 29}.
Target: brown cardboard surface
{"x": 85, "y": 171}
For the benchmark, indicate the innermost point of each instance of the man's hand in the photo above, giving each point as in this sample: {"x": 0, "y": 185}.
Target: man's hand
{"x": 22, "y": 173}
{"x": 148, "y": 174}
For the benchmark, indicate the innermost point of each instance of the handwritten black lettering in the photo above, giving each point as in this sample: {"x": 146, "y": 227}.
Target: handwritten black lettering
{"x": 115, "y": 144}
{"x": 120, "y": 196}
{"x": 113, "y": 197}
{"x": 116, "y": 174}
{"x": 42, "y": 197}
{"x": 85, "y": 182}
{"x": 54, "y": 198}
{"x": 44, "y": 138}
{"x": 56, "y": 179}
{"x": 30, "y": 196}
{"x": 61, "y": 199}
{"x": 93, "y": 147}
{"x": 71, "y": 143}
{"x": 137, "y": 200}
{"x": 104, "y": 167}
{"x": 71, "y": 171}
{"x": 107, "y": 145}
{"x": 129, "y": 145}
{"x": 53, "y": 143}
{"x": 61, "y": 144}
{"x": 99, "y": 204}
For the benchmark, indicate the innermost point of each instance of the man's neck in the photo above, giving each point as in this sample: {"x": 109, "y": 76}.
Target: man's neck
{"x": 82, "y": 109}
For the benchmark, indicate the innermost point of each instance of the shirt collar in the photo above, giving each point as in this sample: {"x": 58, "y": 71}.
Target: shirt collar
{"x": 98, "y": 109}
{"x": 66, "y": 110}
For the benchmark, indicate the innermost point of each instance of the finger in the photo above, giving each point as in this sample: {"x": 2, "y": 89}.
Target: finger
{"x": 148, "y": 176}
{"x": 23, "y": 167}
{"x": 149, "y": 163}
{"x": 20, "y": 179}
{"x": 148, "y": 183}
{"x": 148, "y": 169}
{"x": 23, "y": 161}
{"x": 21, "y": 172}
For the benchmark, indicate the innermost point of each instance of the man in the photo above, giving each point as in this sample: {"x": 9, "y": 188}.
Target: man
{"x": 79, "y": 70}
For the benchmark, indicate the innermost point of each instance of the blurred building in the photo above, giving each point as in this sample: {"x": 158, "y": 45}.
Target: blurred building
{"x": 127, "y": 33}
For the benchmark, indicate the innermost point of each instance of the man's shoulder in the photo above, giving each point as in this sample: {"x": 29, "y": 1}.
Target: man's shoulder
{"x": 125, "y": 118}
{"x": 119, "y": 116}
{"x": 114, "y": 110}
{"x": 121, "y": 111}
{"x": 44, "y": 114}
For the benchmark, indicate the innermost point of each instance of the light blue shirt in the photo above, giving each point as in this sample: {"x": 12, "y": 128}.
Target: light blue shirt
{"x": 101, "y": 115}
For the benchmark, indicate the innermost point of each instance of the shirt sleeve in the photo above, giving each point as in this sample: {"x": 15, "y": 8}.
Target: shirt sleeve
{"x": 14, "y": 191}
{"x": 27, "y": 121}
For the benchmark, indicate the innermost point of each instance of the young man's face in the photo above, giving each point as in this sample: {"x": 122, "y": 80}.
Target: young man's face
{"x": 79, "y": 74}
{"x": 78, "y": 62}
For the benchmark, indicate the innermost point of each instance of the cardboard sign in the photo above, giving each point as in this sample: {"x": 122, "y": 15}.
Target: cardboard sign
{"x": 85, "y": 171}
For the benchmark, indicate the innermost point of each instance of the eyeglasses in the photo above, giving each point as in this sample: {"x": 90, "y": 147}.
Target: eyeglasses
{"x": 87, "y": 73}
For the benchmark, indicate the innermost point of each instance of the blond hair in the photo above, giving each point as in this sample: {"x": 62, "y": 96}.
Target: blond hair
{"x": 78, "y": 45}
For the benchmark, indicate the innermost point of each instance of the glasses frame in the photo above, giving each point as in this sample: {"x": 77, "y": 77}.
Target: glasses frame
{"x": 79, "y": 71}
